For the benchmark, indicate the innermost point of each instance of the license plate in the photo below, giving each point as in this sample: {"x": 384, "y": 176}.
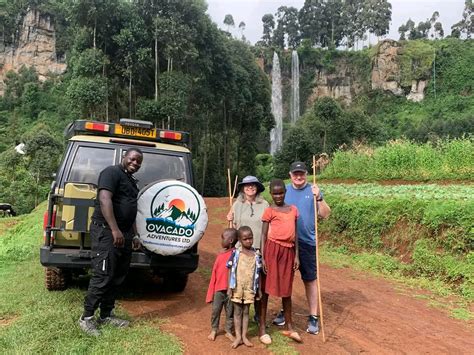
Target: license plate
{"x": 135, "y": 131}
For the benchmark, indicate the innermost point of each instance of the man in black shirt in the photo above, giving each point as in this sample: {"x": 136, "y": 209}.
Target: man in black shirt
{"x": 112, "y": 233}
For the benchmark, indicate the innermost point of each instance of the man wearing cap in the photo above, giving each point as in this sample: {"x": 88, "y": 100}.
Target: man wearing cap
{"x": 300, "y": 194}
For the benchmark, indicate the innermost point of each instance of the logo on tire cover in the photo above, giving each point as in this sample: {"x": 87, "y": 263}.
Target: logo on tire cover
{"x": 171, "y": 217}
{"x": 174, "y": 215}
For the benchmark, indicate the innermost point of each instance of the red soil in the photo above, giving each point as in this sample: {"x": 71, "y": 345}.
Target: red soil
{"x": 362, "y": 313}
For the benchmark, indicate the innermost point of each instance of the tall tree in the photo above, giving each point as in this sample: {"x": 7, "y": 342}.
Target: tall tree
{"x": 466, "y": 25}
{"x": 311, "y": 20}
{"x": 242, "y": 29}
{"x": 268, "y": 26}
{"x": 354, "y": 22}
{"x": 287, "y": 27}
{"x": 133, "y": 51}
{"x": 100, "y": 17}
{"x": 382, "y": 18}
{"x": 438, "y": 30}
{"x": 333, "y": 32}
{"x": 229, "y": 21}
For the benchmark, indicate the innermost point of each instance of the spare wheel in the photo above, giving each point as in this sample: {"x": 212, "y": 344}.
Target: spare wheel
{"x": 171, "y": 217}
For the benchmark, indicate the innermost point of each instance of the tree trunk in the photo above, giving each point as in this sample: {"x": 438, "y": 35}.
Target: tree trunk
{"x": 324, "y": 141}
{"x": 204, "y": 159}
{"x": 239, "y": 144}
{"x": 225, "y": 153}
{"x": 332, "y": 35}
{"x": 104, "y": 74}
{"x": 156, "y": 69}
{"x": 95, "y": 29}
{"x": 130, "y": 94}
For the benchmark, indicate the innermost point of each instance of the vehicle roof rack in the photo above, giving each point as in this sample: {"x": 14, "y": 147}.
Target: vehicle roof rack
{"x": 127, "y": 128}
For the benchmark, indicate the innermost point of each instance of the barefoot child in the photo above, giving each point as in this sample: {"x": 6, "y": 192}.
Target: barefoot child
{"x": 280, "y": 257}
{"x": 217, "y": 291}
{"x": 245, "y": 267}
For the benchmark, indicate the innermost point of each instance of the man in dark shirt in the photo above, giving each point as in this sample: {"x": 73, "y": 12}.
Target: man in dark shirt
{"x": 112, "y": 233}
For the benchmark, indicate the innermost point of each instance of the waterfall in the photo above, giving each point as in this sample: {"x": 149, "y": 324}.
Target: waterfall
{"x": 277, "y": 107}
{"x": 295, "y": 87}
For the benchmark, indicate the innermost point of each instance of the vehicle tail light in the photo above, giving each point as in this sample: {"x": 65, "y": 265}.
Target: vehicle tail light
{"x": 45, "y": 222}
{"x": 176, "y": 136}
{"x": 95, "y": 126}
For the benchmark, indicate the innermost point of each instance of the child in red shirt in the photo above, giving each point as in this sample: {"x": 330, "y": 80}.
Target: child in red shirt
{"x": 217, "y": 291}
{"x": 280, "y": 257}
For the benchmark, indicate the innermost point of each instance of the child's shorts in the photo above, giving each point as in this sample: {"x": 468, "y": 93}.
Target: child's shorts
{"x": 307, "y": 255}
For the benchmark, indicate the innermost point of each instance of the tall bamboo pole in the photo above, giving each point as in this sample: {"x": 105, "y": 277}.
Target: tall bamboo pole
{"x": 317, "y": 252}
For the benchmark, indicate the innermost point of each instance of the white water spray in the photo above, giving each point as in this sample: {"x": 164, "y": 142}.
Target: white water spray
{"x": 277, "y": 107}
{"x": 295, "y": 87}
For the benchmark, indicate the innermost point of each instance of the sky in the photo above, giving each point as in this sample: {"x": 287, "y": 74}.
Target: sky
{"x": 251, "y": 12}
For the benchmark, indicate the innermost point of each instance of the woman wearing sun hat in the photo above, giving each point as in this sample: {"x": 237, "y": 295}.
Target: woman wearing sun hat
{"x": 248, "y": 209}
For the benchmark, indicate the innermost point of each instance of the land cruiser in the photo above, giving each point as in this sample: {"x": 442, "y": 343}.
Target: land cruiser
{"x": 92, "y": 147}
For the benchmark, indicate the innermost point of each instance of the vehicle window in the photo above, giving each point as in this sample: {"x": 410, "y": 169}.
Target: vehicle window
{"x": 89, "y": 162}
{"x": 157, "y": 166}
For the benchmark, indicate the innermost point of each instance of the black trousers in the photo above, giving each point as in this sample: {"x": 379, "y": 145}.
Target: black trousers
{"x": 221, "y": 300}
{"x": 110, "y": 266}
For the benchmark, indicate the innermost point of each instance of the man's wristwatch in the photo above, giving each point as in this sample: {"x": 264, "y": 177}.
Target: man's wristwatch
{"x": 320, "y": 196}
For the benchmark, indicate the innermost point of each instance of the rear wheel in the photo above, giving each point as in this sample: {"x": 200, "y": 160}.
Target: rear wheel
{"x": 56, "y": 279}
{"x": 176, "y": 282}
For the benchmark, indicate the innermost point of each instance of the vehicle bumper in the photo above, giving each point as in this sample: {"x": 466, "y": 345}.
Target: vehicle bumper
{"x": 76, "y": 259}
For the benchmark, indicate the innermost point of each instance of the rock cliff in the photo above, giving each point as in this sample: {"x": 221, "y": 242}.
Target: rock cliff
{"x": 340, "y": 84}
{"x": 386, "y": 69}
{"x": 385, "y": 75}
{"x": 36, "y": 47}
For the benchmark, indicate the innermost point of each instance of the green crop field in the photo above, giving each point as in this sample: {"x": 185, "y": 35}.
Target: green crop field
{"x": 418, "y": 230}
{"x": 431, "y": 192}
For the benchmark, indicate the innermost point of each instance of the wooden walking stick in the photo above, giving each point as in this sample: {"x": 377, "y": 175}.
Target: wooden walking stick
{"x": 235, "y": 185}
{"x": 317, "y": 252}
{"x": 229, "y": 183}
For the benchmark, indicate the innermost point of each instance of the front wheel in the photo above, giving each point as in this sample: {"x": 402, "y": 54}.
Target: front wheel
{"x": 56, "y": 279}
{"x": 176, "y": 282}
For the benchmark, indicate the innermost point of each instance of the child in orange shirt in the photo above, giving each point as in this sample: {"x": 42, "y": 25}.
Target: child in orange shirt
{"x": 217, "y": 291}
{"x": 280, "y": 257}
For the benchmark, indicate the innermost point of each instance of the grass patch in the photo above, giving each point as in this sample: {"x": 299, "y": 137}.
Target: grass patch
{"x": 21, "y": 240}
{"x": 6, "y": 223}
{"x": 280, "y": 344}
{"x": 205, "y": 271}
{"x": 461, "y": 313}
{"x": 33, "y": 319}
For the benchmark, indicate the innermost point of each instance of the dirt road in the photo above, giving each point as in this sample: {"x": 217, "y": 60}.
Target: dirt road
{"x": 362, "y": 313}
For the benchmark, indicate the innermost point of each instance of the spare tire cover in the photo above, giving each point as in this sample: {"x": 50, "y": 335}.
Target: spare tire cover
{"x": 171, "y": 217}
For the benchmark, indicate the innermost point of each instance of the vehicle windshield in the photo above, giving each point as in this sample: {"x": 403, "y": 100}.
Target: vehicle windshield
{"x": 89, "y": 161}
{"x": 159, "y": 166}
